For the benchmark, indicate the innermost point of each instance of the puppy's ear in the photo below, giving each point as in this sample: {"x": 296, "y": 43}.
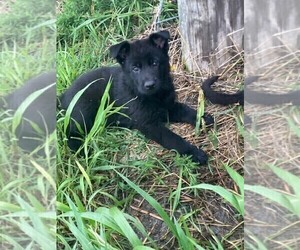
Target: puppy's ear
{"x": 120, "y": 51}
{"x": 160, "y": 39}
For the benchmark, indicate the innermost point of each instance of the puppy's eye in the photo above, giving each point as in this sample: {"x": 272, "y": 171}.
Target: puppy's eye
{"x": 154, "y": 63}
{"x": 135, "y": 69}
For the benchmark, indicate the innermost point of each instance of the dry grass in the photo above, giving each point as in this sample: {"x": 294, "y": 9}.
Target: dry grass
{"x": 230, "y": 144}
{"x": 272, "y": 141}
{"x": 223, "y": 144}
{"x": 275, "y": 140}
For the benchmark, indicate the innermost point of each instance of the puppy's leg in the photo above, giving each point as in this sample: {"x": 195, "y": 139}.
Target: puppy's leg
{"x": 170, "y": 140}
{"x": 74, "y": 137}
{"x": 78, "y": 127}
{"x": 183, "y": 113}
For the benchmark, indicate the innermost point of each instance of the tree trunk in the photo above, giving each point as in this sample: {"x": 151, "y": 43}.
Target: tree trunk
{"x": 210, "y": 28}
{"x": 272, "y": 30}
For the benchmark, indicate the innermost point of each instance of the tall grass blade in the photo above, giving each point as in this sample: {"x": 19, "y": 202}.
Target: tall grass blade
{"x": 85, "y": 175}
{"x": 234, "y": 199}
{"x": 25, "y": 104}
{"x": 125, "y": 227}
{"x": 45, "y": 174}
{"x": 183, "y": 241}
{"x": 72, "y": 105}
{"x": 290, "y": 202}
{"x": 289, "y": 178}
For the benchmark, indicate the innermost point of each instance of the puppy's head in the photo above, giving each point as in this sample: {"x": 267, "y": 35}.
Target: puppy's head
{"x": 145, "y": 61}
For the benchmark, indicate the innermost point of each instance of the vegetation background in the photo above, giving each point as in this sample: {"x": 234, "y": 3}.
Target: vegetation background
{"x": 131, "y": 193}
{"x": 27, "y": 181}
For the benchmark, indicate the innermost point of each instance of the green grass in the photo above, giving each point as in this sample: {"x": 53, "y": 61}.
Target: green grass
{"x": 116, "y": 19}
{"x": 27, "y": 21}
{"x": 27, "y": 181}
{"x": 290, "y": 201}
{"x": 235, "y": 199}
{"x": 124, "y": 192}
{"x": 278, "y": 189}
{"x": 95, "y": 192}
{"x": 287, "y": 200}
{"x": 27, "y": 41}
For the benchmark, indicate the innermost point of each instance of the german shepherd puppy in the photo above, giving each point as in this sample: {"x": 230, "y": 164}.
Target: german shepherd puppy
{"x": 142, "y": 82}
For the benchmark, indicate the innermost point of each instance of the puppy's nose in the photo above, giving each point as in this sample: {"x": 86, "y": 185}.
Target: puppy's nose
{"x": 149, "y": 84}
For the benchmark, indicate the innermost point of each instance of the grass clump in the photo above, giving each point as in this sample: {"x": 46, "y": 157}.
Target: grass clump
{"x": 27, "y": 180}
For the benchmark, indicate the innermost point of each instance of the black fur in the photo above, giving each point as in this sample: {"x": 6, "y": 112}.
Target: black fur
{"x": 40, "y": 112}
{"x": 218, "y": 97}
{"x": 143, "y": 83}
{"x": 253, "y": 97}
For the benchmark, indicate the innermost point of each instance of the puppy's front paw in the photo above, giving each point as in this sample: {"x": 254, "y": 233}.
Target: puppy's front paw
{"x": 199, "y": 156}
{"x": 209, "y": 120}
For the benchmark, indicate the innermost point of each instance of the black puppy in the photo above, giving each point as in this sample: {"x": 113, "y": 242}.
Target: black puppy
{"x": 143, "y": 83}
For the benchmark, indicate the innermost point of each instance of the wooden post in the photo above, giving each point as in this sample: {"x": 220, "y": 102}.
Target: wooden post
{"x": 210, "y": 27}
{"x": 272, "y": 30}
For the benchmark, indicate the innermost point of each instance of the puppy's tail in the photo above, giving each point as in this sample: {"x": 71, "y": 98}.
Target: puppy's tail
{"x": 217, "y": 97}
{"x": 253, "y": 97}
{"x": 267, "y": 99}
